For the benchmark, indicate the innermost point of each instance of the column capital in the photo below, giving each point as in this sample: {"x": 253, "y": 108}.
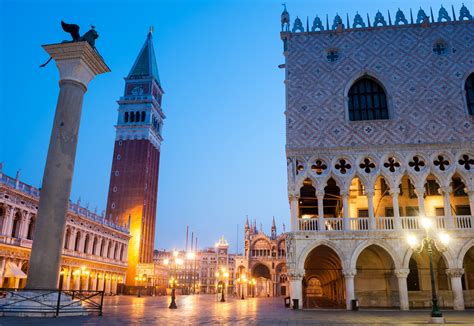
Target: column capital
{"x": 369, "y": 192}
{"x": 76, "y": 61}
{"x": 349, "y": 272}
{"x": 394, "y": 192}
{"x": 320, "y": 193}
{"x": 402, "y": 272}
{"x": 420, "y": 191}
{"x": 295, "y": 276}
{"x": 445, "y": 190}
{"x": 455, "y": 272}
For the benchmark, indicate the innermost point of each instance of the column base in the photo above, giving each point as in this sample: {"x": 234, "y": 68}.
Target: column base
{"x": 39, "y": 304}
{"x": 437, "y": 320}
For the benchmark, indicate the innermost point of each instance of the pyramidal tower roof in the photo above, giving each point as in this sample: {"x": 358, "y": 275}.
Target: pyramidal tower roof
{"x": 145, "y": 64}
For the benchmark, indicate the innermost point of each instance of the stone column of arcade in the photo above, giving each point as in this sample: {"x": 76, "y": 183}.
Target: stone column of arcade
{"x": 78, "y": 64}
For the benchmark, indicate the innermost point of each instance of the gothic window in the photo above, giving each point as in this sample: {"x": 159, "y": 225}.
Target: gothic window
{"x": 431, "y": 188}
{"x": 470, "y": 94}
{"x": 367, "y": 101}
{"x": 458, "y": 187}
{"x": 143, "y": 116}
{"x": 86, "y": 244}
{"x": 94, "y": 246}
{"x": 413, "y": 283}
{"x": 132, "y": 116}
{"x": 308, "y": 202}
{"x": 67, "y": 238}
{"x": 126, "y": 117}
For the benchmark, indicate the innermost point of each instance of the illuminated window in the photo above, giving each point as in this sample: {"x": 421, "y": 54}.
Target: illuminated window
{"x": 367, "y": 101}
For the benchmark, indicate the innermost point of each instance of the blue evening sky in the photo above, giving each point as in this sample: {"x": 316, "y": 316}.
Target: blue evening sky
{"x": 223, "y": 155}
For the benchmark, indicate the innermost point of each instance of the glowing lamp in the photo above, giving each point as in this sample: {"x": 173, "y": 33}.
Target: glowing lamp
{"x": 444, "y": 238}
{"x": 426, "y": 223}
{"x": 412, "y": 240}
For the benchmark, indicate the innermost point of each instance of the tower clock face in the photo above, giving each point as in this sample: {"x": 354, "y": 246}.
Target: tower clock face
{"x": 137, "y": 90}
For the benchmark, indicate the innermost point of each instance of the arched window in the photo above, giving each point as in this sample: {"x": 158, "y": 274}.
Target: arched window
{"x": 470, "y": 94}
{"x": 16, "y": 226}
{"x": 31, "y": 228}
{"x": 132, "y": 116}
{"x": 94, "y": 246}
{"x": 143, "y": 116}
{"x": 126, "y": 117}
{"x": 308, "y": 203}
{"x": 78, "y": 241}
{"x": 413, "y": 283}
{"x": 367, "y": 101}
{"x": 86, "y": 244}
{"x": 67, "y": 239}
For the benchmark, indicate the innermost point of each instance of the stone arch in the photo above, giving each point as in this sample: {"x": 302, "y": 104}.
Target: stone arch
{"x": 15, "y": 232}
{"x": 31, "y": 228}
{"x": 375, "y": 283}
{"x": 3, "y": 215}
{"x": 466, "y": 76}
{"x": 374, "y": 242}
{"x": 310, "y": 247}
{"x": 462, "y": 253}
{"x": 324, "y": 265}
{"x": 77, "y": 242}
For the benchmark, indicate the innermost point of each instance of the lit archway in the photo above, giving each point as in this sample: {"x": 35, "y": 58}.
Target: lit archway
{"x": 323, "y": 283}
{"x": 375, "y": 283}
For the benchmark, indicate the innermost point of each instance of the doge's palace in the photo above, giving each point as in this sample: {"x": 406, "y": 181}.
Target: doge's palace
{"x": 379, "y": 144}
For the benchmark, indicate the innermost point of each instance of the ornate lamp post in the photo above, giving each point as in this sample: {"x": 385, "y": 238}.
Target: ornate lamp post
{"x": 242, "y": 280}
{"x": 173, "y": 265}
{"x": 139, "y": 279}
{"x": 252, "y": 283}
{"x": 429, "y": 242}
{"x": 224, "y": 275}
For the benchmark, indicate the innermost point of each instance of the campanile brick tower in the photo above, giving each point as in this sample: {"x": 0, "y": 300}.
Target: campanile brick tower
{"x": 135, "y": 164}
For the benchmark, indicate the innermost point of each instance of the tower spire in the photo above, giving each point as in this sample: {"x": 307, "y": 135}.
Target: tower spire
{"x": 145, "y": 65}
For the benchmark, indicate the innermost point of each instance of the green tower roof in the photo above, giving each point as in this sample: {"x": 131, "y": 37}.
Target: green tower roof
{"x": 145, "y": 64}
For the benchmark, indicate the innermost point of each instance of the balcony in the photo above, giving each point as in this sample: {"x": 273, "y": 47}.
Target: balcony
{"x": 333, "y": 224}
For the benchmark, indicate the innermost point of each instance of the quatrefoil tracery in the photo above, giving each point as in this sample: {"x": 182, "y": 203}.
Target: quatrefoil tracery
{"x": 367, "y": 165}
{"x": 416, "y": 164}
{"x": 319, "y": 167}
{"x": 466, "y": 161}
{"x": 342, "y": 166}
{"x": 392, "y": 165}
{"x": 299, "y": 167}
{"x": 441, "y": 162}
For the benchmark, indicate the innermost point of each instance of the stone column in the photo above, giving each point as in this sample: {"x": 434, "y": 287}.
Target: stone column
{"x": 370, "y": 207}
{"x": 72, "y": 240}
{"x": 345, "y": 205}
{"x": 8, "y": 223}
{"x": 420, "y": 193}
{"x": 456, "y": 286}
{"x": 402, "y": 287}
{"x": 78, "y": 64}
{"x": 98, "y": 246}
{"x": 67, "y": 281}
{"x": 320, "y": 195}
{"x": 470, "y": 193}
{"x": 396, "y": 209}
{"x": 294, "y": 212}
{"x": 445, "y": 191}
{"x": 349, "y": 275}
{"x": 94, "y": 281}
{"x": 24, "y": 221}
{"x": 296, "y": 289}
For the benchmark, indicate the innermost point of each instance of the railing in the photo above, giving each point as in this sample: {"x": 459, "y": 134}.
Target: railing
{"x": 46, "y": 302}
{"x": 308, "y": 224}
{"x": 383, "y": 223}
{"x": 358, "y": 223}
{"x": 333, "y": 223}
{"x": 464, "y": 222}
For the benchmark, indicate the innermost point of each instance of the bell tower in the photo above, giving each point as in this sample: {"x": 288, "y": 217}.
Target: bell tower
{"x": 135, "y": 164}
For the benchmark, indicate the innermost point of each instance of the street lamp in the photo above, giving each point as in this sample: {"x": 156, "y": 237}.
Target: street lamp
{"x": 140, "y": 278}
{"x": 242, "y": 280}
{"x": 224, "y": 276}
{"x": 418, "y": 247}
{"x": 252, "y": 283}
{"x": 173, "y": 266}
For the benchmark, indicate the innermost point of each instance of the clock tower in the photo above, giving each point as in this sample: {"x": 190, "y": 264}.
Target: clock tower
{"x": 135, "y": 164}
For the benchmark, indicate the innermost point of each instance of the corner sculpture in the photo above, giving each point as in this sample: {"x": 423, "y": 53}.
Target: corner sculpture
{"x": 73, "y": 29}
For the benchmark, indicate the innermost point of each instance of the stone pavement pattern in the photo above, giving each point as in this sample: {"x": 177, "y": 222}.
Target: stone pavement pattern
{"x": 203, "y": 309}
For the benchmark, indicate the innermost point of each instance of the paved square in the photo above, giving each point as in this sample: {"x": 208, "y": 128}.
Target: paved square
{"x": 203, "y": 309}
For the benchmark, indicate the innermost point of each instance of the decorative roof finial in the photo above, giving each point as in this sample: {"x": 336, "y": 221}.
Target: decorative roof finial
{"x": 297, "y": 25}
{"x": 400, "y": 18}
{"x": 443, "y": 15}
{"x": 464, "y": 13}
{"x": 151, "y": 30}
{"x": 285, "y": 19}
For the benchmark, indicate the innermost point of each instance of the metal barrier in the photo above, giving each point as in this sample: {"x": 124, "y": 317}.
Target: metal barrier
{"x": 52, "y": 303}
